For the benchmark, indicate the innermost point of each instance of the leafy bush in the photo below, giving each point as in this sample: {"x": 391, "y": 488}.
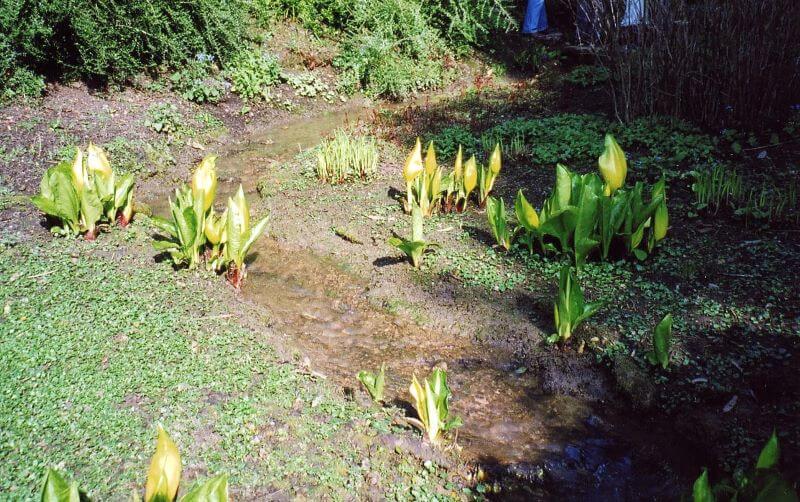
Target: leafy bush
{"x": 308, "y": 85}
{"x": 391, "y": 50}
{"x": 195, "y": 83}
{"x": 318, "y": 16}
{"x": 116, "y": 39}
{"x": 22, "y": 83}
{"x": 450, "y": 138}
{"x": 572, "y": 138}
{"x": 252, "y": 72}
{"x": 583, "y": 214}
{"x": 468, "y": 23}
{"x": 561, "y": 138}
{"x": 195, "y": 232}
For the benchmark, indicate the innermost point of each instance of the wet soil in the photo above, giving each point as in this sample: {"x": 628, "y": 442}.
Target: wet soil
{"x": 545, "y": 427}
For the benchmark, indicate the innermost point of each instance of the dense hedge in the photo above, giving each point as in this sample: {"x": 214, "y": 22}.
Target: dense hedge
{"x": 112, "y": 40}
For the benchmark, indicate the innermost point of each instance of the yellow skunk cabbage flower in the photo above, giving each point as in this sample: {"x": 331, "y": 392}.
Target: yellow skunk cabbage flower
{"x": 165, "y": 469}
{"x": 205, "y": 181}
{"x": 526, "y": 214}
{"x": 470, "y": 176}
{"x": 613, "y": 165}
{"x": 495, "y": 161}
{"x": 430, "y": 160}
{"x": 97, "y": 162}
{"x": 458, "y": 169}
{"x": 240, "y": 211}
{"x": 413, "y": 166}
{"x": 80, "y": 178}
{"x": 215, "y": 228}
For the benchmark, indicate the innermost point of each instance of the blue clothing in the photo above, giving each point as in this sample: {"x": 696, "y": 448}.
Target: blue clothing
{"x": 634, "y": 11}
{"x": 535, "y": 17}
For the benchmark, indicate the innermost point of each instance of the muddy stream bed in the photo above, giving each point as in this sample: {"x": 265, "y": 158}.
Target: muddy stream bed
{"x": 551, "y": 446}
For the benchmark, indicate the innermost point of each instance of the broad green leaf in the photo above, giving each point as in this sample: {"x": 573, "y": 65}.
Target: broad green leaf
{"x": 45, "y": 205}
{"x": 562, "y": 194}
{"x": 701, "y": 491}
{"x": 165, "y": 225}
{"x": 56, "y": 489}
{"x": 374, "y": 383}
{"x": 254, "y": 234}
{"x": 662, "y": 339}
{"x": 586, "y": 216}
{"x": 213, "y": 490}
{"x": 770, "y": 454}
{"x": 65, "y": 198}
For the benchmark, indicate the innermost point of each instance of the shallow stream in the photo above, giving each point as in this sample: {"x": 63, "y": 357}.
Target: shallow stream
{"x": 557, "y": 446}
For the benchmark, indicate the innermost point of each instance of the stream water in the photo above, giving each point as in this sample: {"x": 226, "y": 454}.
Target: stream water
{"x": 559, "y": 447}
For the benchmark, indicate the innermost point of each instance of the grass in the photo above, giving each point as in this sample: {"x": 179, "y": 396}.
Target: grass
{"x": 346, "y": 157}
{"x": 98, "y": 344}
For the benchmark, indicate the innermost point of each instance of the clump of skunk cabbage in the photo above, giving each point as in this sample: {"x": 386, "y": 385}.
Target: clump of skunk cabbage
{"x": 196, "y": 232}
{"x": 85, "y": 194}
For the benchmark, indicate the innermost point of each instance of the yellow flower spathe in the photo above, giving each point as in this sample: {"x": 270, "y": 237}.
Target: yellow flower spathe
{"x": 613, "y": 165}
{"x": 205, "y": 181}
{"x": 413, "y": 166}
{"x": 164, "y": 475}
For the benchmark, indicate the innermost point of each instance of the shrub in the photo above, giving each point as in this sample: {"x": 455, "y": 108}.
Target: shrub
{"x": 391, "y": 50}
{"x": 252, "y": 72}
{"x": 703, "y": 60}
{"x": 23, "y": 83}
{"x": 318, "y": 16}
{"x": 116, "y": 39}
{"x": 468, "y": 23}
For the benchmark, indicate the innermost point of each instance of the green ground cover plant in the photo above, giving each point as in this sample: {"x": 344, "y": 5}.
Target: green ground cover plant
{"x": 252, "y": 72}
{"x": 572, "y": 139}
{"x": 124, "y": 343}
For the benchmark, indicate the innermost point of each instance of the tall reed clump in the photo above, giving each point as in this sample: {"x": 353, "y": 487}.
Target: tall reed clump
{"x": 704, "y": 60}
{"x": 347, "y": 157}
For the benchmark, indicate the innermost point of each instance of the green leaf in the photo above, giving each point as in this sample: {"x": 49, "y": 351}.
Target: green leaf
{"x": 662, "y": 339}
{"x": 701, "y": 491}
{"x": 496, "y": 213}
{"x": 65, "y": 198}
{"x": 213, "y": 490}
{"x": 91, "y": 207}
{"x": 122, "y": 191}
{"x": 253, "y": 235}
{"x": 56, "y": 489}
{"x": 374, "y": 383}
{"x": 775, "y": 489}
{"x": 586, "y": 216}
{"x": 770, "y": 454}
{"x": 165, "y": 225}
